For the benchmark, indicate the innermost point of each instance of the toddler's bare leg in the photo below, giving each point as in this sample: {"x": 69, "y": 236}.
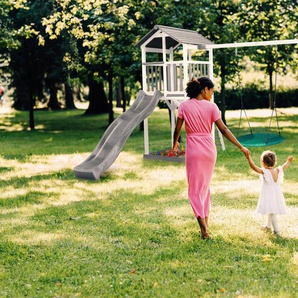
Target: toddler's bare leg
{"x": 269, "y": 221}
{"x": 275, "y": 224}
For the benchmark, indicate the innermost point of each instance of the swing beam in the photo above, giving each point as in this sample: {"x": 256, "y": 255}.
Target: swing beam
{"x": 256, "y": 44}
{"x": 250, "y": 44}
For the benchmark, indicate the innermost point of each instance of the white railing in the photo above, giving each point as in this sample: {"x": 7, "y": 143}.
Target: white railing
{"x": 174, "y": 73}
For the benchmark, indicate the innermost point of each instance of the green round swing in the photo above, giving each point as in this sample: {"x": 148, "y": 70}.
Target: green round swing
{"x": 260, "y": 139}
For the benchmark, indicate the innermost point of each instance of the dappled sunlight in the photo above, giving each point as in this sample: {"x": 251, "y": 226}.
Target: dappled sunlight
{"x": 126, "y": 157}
{"x": 245, "y": 188}
{"x": 23, "y": 213}
{"x": 66, "y": 195}
{"x": 134, "y": 227}
{"x": 294, "y": 260}
{"x": 7, "y": 116}
{"x": 30, "y": 237}
{"x": 165, "y": 174}
{"x": 291, "y": 129}
{"x": 288, "y": 223}
{"x": 238, "y": 225}
{"x": 93, "y": 215}
{"x": 180, "y": 215}
{"x": 223, "y": 173}
{"x": 126, "y": 169}
{"x": 9, "y": 127}
{"x": 13, "y": 222}
{"x": 36, "y": 165}
{"x": 236, "y": 188}
{"x": 40, "y": 127}
{"x": 156, "y": 178}
{"x": 181, "y": 196}
{"x": 231, "y": 222}
{"x": 10, "y": 192}
{"x": 289, "y": 186}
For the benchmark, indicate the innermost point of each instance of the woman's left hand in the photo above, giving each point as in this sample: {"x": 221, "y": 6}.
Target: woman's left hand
{"x": 245, "y": 151}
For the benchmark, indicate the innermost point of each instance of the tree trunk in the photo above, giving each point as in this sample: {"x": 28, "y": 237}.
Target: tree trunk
{"x": 118, "y": 93}
{"x": 98, "y": 102}
{"x": 123, "y": 94}
{"x": 69, "y": 99}
{"x": 31, "y": 109}
{"x": 111, "y": 112}
{"x": 53, "y": 102}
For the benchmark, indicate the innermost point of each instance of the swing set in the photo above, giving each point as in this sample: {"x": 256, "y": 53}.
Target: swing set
{"x": 262, "y": 138}
{"x": 268, "y": 137}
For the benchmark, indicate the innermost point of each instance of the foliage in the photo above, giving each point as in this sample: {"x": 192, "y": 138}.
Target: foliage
{"x": 8, "y": 33}
{"x": 218, "y": 24}
{"x": 94, "y": 41}
{"x": 267, "y": 20}
{"x": 34, "y": 65}
{"x": 132, "y": 233}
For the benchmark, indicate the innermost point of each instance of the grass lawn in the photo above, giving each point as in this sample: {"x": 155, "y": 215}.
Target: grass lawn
{"x": 132, "y": 233}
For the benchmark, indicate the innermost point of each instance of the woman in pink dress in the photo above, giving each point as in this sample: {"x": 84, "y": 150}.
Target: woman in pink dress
{"x": 199, "y": 114}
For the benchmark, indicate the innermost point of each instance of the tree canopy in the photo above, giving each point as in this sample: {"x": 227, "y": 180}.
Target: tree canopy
{"x": 70, "y": 43}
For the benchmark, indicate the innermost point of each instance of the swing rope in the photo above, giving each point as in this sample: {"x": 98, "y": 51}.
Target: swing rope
{"x": 260, "y": 139}
{"x": 274, "y": 111}
{"x": 242, "y": 109}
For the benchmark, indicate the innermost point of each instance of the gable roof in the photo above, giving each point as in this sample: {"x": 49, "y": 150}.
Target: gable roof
{"x": 175, "y": 36}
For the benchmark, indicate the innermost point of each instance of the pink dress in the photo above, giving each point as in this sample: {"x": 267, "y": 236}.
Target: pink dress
{"x": 200, "y": 156}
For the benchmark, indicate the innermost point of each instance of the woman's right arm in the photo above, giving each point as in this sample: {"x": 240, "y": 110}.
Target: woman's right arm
{"x": 177, "y": 132}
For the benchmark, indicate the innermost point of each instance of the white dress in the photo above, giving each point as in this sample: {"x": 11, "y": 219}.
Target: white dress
{"x": 271, "y": 200}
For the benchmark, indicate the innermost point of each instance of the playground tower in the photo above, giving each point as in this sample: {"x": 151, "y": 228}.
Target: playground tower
{"x": 170, "y": 58}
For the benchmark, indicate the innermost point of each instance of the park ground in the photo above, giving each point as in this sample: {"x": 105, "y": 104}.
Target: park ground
{"x": 132, "y": 233}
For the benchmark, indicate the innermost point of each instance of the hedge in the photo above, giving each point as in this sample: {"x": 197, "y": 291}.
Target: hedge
{"x": 257, "y": 99}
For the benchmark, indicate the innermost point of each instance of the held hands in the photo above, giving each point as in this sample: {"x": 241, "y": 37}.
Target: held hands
{"x": 245, "y": 151}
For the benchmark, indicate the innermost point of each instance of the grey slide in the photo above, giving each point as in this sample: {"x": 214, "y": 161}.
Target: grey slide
{"x": 116, "y": 135}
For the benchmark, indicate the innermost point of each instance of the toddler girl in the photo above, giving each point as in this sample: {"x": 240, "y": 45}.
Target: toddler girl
{"x": 271, "y": 200}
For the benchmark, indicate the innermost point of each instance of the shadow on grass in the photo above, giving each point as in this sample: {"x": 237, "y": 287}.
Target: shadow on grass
{"x": 127, "y": 244}
{"x": 6, "y": 169}
{"x": 31, "y": 197}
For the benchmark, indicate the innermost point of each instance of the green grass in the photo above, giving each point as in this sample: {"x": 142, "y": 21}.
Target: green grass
{"x": 132, "y": 233}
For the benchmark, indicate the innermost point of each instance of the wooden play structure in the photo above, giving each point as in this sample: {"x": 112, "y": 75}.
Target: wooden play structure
{"x": 170, "y": 58}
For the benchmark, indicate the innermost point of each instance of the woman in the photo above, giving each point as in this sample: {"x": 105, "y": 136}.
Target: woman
{"x": 199, "y": 115}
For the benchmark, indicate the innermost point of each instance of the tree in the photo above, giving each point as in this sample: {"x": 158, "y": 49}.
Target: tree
{"x": 217, "y": 22}
{"x": 92, "y": 26}
{"x": 8, "y": 33}
{"x": 269, "y": 20}
{"x": 105, "y": 34}
{"x": 36, "y": 66}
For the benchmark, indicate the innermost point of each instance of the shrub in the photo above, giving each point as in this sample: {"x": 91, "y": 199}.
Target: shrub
{"x": 257, "y": 99}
